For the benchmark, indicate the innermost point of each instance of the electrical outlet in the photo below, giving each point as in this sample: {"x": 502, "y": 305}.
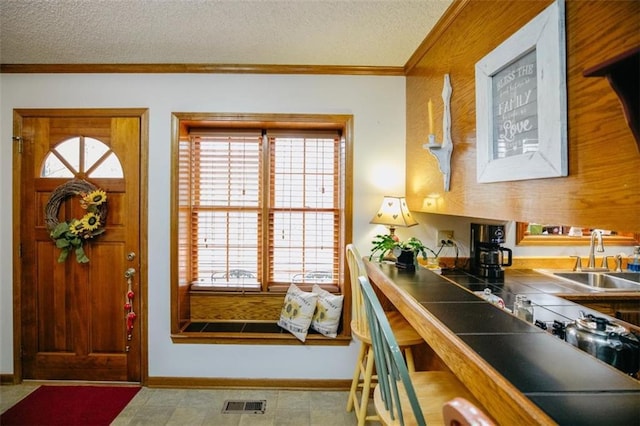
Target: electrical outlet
{"x": 445, "y": 235}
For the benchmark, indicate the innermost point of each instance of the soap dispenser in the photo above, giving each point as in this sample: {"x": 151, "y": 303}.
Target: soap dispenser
{"x": 633, "y": 262}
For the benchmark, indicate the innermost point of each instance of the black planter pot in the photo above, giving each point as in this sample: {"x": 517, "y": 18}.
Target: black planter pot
{"x": 406, "y": 260}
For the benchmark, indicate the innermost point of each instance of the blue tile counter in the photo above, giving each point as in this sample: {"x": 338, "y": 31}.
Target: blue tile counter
{"x": 521, "y": 374}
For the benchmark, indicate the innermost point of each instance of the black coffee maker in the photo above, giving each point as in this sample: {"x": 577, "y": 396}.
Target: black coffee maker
{"x": 487, "y": 254}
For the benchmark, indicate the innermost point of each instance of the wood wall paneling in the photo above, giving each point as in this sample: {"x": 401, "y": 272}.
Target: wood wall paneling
{"x": 211, "y": 306}
{"x": 604, "y": 163}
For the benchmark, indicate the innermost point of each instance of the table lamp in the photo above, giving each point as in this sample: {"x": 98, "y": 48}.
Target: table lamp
{"x": 393, "y": 212}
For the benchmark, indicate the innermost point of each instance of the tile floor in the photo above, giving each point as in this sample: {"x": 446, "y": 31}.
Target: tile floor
{"x": 191, "y": 407}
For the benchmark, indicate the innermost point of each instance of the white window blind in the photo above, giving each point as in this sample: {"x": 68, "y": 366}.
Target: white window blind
{"x": 261, "y": 209}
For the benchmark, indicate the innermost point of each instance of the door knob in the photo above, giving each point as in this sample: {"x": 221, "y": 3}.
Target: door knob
{"x": 129, "y": 273}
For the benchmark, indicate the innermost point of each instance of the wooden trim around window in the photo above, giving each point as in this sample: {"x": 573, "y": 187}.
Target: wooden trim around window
{"x": 182, "y": 308}
{"x": 258, "y": 339}
{"x": 523, "y": 239}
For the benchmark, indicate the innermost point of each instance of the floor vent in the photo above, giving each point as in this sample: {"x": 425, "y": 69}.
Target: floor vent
{"x": 244, "y": 407}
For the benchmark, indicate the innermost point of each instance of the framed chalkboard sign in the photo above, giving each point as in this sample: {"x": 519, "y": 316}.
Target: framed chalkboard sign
{"x": 521, "y": 103}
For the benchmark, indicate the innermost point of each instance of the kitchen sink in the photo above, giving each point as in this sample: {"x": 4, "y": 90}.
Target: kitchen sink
{"x": 604, "y": 281}
{"x": 631, "y": 276}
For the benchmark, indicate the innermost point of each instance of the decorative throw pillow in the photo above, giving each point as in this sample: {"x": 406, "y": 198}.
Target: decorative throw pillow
{"x": 326, "y": 318}
{"x": 297, "y": 311}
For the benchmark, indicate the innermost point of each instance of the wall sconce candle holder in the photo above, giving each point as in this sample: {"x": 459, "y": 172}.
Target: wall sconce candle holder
{"x": 430, "y": 201}
{"x": 442, "y": 151}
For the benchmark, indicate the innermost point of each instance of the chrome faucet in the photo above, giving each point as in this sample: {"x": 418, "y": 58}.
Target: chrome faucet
{"x": 578, "y": 266}
{"x": 596, "y": 235}
{"x": 619, "y": 262}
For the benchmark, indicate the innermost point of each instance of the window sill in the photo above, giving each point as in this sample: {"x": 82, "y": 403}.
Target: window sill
{"x": 251, "y": 334}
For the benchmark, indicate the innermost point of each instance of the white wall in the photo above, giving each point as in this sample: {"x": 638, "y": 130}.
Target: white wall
{"x": 378, "y": 107}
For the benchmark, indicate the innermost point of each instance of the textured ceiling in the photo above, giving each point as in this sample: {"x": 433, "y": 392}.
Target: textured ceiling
{"x": 267, "y": 32}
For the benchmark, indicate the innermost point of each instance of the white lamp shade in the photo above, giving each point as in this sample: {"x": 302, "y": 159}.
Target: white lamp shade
{"x": 394, "y": 212}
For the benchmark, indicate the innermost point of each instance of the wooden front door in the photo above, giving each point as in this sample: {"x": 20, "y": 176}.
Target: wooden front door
{"x": 73, "y": 321}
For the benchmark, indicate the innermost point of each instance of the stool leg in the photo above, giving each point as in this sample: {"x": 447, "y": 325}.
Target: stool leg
{"x": 408, "y": 354}
{"x": 356, "y": 376}
{"x": 361, "y": 411}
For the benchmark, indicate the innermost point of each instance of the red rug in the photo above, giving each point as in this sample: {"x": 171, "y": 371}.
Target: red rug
{"x": 70, "y": 405}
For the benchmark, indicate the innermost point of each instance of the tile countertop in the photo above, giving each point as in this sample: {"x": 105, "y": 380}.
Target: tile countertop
{"x": 569, "y": 385}
{"x": 547, "y": 293}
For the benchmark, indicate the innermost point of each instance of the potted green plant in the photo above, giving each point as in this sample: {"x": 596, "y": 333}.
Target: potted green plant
{"x": 405, "y": 252}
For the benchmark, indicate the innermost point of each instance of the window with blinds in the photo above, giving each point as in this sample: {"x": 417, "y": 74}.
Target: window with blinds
{"x": 259, "y": 209}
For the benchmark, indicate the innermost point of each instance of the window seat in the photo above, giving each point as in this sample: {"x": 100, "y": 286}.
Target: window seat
{"x": 242, "y": 318}
{"x": 213, "y": 306}
{"x": 251, "y": 332}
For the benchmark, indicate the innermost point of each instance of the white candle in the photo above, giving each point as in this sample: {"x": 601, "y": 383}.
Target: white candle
{"x": 430, "y": 105}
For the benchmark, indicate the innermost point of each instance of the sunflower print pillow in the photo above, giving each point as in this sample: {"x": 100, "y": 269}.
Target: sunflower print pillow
{"x": 326, "y": 318}
{"x": 297, "y": 311}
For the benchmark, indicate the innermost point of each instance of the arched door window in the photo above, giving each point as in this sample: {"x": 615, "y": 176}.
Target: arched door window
{"x": 81, "y": 156}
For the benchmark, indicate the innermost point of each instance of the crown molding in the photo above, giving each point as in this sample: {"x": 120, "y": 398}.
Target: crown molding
{"x": 436, "y": 32}
{"x": 198, "y": 69}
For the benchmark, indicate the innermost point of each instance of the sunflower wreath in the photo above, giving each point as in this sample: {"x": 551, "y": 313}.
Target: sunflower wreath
{"x": 71, "y": 234}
